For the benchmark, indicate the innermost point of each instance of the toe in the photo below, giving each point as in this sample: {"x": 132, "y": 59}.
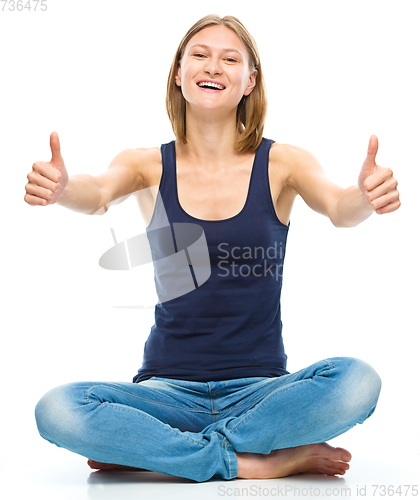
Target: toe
{"x": 345, "y": 455}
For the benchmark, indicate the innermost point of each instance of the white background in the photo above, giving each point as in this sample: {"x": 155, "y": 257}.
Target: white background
{"x": 95, "y": 72}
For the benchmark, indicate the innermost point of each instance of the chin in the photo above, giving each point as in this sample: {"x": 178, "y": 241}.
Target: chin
{"x": 211, "y": 105}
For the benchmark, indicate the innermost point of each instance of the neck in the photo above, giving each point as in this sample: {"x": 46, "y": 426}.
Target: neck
{"x": 210, "y": 139}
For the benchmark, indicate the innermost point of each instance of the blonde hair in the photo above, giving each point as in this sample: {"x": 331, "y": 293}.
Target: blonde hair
{"x": 252, "y": 109}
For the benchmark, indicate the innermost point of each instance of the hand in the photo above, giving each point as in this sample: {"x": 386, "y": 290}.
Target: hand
{"x": 377, "y": 183}
{"x": 47, "y": 181}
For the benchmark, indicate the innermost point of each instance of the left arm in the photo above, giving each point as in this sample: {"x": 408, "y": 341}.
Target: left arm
{"x": 375, "y": 192}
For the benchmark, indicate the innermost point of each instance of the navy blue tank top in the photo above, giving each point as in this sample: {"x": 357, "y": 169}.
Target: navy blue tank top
{"x": 218, "y": 283}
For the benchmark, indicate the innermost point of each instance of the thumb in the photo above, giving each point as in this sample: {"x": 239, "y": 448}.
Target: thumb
{"x": 56, "y": 158}
{"x": 372, "y": 150}
{"x": 369, "y": 165}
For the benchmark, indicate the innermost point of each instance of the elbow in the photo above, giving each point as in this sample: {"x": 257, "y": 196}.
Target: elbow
{"x": 335, "y": 218}
{"x": 337, "y": 214}
{"x": 100, "y": 211}
{"x": 340, "y": 225}
{"x": 101, "y": 205}
{"x": 338, "y": 221}
{"x": 335, "y": 223}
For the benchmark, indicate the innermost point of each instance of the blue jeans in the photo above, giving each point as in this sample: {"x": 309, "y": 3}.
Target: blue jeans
{"x": 192, "y": 429}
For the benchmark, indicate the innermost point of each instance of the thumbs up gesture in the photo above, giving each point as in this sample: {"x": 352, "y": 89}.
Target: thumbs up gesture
{"x": 377, "y": 183}
{"x": 48, "y": 179}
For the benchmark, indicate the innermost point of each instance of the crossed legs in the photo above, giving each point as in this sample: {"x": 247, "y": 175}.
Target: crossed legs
{"x": 251, "y": 428}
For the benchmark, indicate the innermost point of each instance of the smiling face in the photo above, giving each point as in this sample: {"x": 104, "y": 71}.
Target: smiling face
{"x": 215, "y": 55}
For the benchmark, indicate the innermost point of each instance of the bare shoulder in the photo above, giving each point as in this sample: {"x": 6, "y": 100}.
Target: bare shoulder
{"x": 147, "y": 151}
{"x": 284, "y": 159}
{"x": 149, "y": 161}
{"x": 292, "y": 161}
{"x": 287, "y": 155}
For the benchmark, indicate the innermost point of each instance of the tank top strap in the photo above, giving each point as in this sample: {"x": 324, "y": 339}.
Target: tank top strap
{"x": 260, "y": 201}
{"x": 168, "y": 180}
{"x": 165, "y": 203}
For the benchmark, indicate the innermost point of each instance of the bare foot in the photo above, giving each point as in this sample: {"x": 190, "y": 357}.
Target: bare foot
{"x": 102, "y": 466}
{"x": 320, "y": 458}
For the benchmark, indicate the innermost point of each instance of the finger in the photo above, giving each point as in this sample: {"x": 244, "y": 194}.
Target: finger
{"x": 377, "y": 178}
{"x": 39, "y": 191}
{"x": 34, "y": 200}
{"x": 56, "y": 157}
{"x": 384, "y": 188}
{"x": 382, "y": 201}
{"x": 47, "y": 171}
{"x": 38, "y": 179}
{"x": 391, "y": 207}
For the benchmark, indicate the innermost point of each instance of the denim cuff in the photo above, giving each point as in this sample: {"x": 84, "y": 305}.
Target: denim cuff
{"x": 231, "y": 459}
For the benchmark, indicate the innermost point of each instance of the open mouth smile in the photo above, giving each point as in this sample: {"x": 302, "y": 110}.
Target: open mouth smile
{"x": 209, "y": 86}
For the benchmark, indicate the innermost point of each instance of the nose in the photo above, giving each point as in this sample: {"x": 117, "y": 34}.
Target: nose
{"x": 213, "y": 66}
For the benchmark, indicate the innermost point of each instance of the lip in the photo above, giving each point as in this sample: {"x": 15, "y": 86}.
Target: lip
{"x": 211, "y": 81}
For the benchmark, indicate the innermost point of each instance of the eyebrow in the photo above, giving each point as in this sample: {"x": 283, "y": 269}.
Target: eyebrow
{"x": 207, "y": 47}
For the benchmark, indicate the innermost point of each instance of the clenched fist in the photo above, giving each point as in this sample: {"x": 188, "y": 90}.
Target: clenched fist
{"x": 47, "y": 180}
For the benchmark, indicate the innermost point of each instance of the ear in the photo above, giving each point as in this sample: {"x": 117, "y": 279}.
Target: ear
{"x": 252, "y": 82}
{"x": 177, "y": 78}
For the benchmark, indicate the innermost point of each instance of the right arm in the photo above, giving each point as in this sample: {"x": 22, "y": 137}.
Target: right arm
{"x": 49, "y": 182}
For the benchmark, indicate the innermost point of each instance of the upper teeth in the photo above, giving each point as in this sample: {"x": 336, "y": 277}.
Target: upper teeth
{"x": 211, "y": 84}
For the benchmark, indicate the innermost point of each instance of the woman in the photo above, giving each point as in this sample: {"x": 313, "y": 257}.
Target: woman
{"x": 213, "y": 398}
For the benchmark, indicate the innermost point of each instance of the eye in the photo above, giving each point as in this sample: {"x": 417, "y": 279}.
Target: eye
{"x": 230, "y": 59}
{"x": 198, "y": 55}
